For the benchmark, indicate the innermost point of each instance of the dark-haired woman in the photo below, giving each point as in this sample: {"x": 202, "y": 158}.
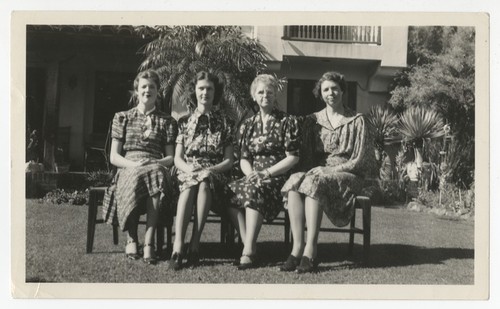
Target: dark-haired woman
{"x": 203, "y": 154}
{"x": 336, "y": 153}
{"x": 142, "y": 149}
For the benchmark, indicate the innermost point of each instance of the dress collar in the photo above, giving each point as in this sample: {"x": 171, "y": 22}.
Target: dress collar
{"x": 196, "y": 113}
{"x": 273, "y": 114}
{"x": 322, "y": 118}
{"x": 149, "y": 112}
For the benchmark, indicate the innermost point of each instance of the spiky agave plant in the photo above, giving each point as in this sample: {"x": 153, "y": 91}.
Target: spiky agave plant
{"x": 384, "y": 125}
{"x": 418, "y": 124}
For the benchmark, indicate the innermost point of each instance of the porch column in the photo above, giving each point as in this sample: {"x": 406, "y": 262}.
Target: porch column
{"x": 51, "y": 116}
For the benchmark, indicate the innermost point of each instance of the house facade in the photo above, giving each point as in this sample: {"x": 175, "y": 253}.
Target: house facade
{"x": 368, "y": 56}
{"x": 77, "y": 77}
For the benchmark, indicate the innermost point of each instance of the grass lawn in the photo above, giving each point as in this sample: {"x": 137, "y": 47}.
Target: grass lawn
{"x": 407, "y": 248}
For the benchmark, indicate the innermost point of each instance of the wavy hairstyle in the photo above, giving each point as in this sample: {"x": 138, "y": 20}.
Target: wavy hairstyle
{"x": 203, "y": 75}
{"x": 329, "y": 76}
{"x": 150, "y": 75}
{"x": 266, "y": 79}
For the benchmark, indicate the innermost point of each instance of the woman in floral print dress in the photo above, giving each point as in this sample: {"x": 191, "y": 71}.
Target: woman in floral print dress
{"x": 269, "y": 149}
{"x": 203, "y": 154}
{"x": 337, "y": 151}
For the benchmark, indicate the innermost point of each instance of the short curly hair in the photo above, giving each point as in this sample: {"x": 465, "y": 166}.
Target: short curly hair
{"x": 147, "y": 74}
{"x": 329, "y": 76}
{"x": 265, "y": 79}
{"x": 204, "y": 75}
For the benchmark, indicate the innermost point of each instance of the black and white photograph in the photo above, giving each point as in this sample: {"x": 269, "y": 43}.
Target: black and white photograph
{"x": 251, "y": 155}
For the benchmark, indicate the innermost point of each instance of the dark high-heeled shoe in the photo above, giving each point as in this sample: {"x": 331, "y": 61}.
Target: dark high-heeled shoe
{"x": 307, "y": 265}
{"x": 150, "y": 260}
{"x": 290, "y": 264}
{"x": 193, "y": 259}
{"x": 175, "y": 262}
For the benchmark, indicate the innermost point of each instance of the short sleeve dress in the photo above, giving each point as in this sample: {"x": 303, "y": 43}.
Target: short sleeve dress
{"x": 344, "y": 153}
{"x": 205, "y": 137}
{"x": 263, "y": 151}
{"x": 142, "y": 136}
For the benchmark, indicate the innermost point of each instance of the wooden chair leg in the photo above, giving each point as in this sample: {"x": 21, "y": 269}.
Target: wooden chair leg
{"x": 223, "y": 229}
{"x": 160, "y": 238}
{"x": 91, "y": 221}
{"x": 169, "y": 246}
{"x": 366, "y": 230}
{"x": 351, "y": 233}
{"x": 115, "y": 234}
{"x": 287, "y": 229}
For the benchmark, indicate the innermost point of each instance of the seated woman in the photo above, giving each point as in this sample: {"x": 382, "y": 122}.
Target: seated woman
{"x": 269, "y": 149}
{"x": 142, "y": 148}
{"x": 336, "y": 152}
{"x": 204, "y": 152}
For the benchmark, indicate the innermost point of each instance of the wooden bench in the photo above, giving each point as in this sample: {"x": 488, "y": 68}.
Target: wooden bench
{"x": 163, "y": 244}
{"x": 363, "y": 204}
{"x": 227, "y": 231}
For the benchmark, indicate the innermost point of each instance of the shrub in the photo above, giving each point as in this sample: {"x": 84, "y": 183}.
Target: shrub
{"x": 100, "y": 178}
{"x": 59, "y": 196}
{"x": 385, "y": 192}
{"x": 450, "y": 198}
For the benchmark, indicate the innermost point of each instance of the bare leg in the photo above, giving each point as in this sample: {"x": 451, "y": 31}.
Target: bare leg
{"x": 184, "y": 211}
{"x": 152, "y": 210}
{"x": 203, "y": 204}
{"x": 296, "y": 212}
{"x": 237, "y": 216}
{"x": 314, "y": 214}
{"x": 253, "y": 224}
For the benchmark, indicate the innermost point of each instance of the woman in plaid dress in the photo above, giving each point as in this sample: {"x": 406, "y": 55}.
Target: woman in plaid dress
{"x": 142, "y": 148}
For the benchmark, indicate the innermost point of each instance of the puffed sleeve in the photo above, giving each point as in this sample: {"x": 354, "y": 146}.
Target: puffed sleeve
{"x": 119, "y": 125}
{"x": 227, "y": 137}
{"x": 181, "y": 131}
{"x": 292, "y": 136}
{"x": 244, "y": 138}
{"x": 171, "y": 131}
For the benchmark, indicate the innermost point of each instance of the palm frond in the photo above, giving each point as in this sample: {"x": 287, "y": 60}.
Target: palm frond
{"x": 179, "y": 52}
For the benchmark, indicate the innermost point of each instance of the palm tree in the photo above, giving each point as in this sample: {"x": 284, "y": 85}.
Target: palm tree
{"x": 178, "y": 52}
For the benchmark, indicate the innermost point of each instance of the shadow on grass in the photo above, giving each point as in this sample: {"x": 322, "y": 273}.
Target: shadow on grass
{"x": 392, "y": 255}
{"x": 381, "y": 255}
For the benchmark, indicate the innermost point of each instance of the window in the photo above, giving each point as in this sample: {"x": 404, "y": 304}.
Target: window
{"x": 112, "y": 94}
{"x": 301, "y": 101}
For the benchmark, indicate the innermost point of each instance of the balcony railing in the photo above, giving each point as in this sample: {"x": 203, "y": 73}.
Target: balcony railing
{"x": 335, "y": 34}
